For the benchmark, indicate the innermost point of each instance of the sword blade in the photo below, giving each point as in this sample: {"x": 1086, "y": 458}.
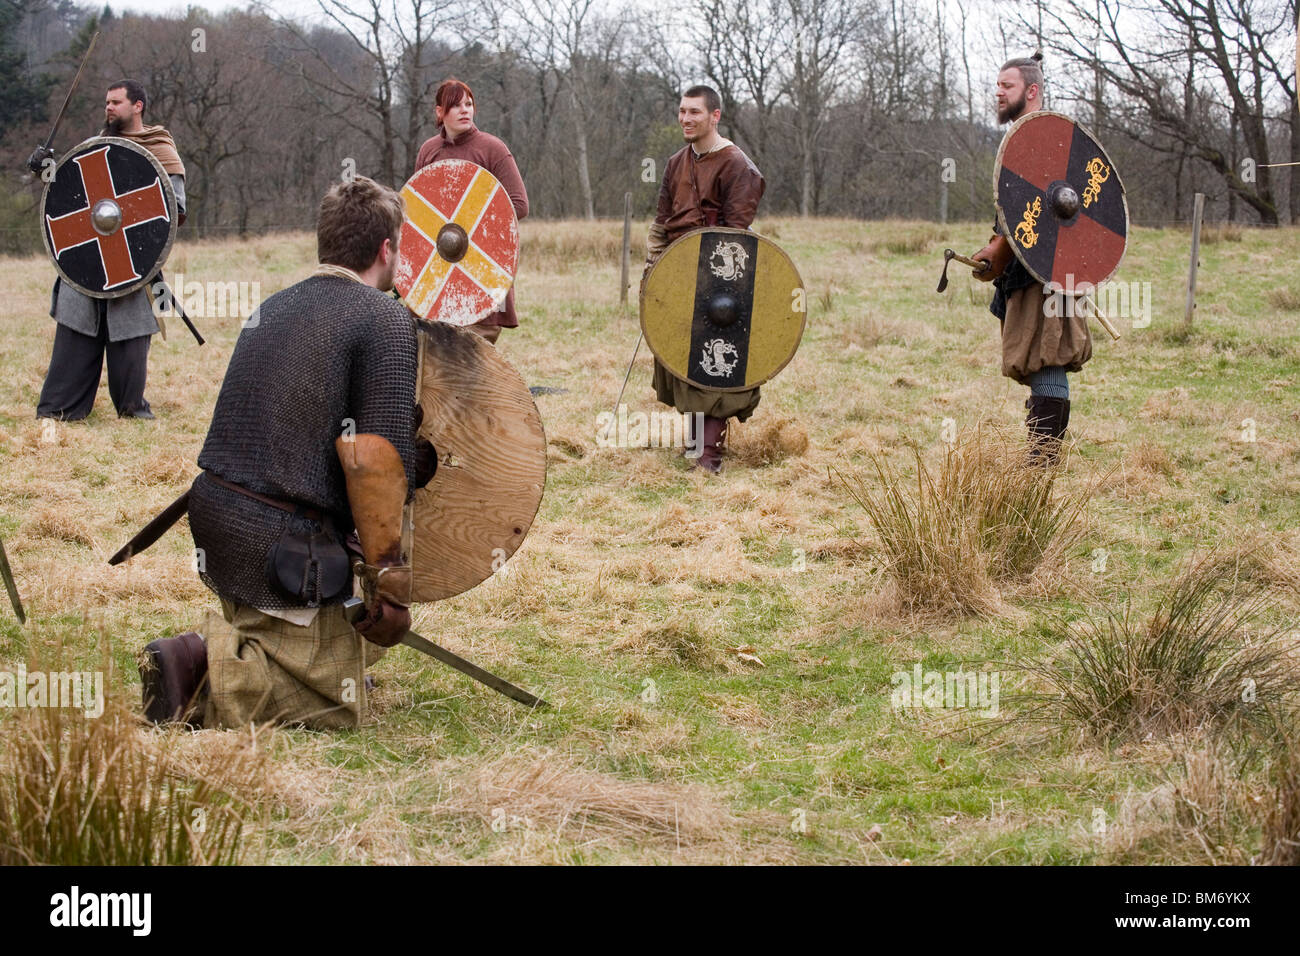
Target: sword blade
{"x": 154, "y": 529}
{"x": 11, "y": 585}
{"x": 426, "y": 646}
{"x": 619, "y": 400}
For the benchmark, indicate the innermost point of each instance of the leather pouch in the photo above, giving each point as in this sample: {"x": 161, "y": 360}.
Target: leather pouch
{"x": 310, "y": 566}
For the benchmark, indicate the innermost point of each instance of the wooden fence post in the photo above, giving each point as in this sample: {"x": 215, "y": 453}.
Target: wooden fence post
{"x": 1196, "y": 261}
{"x": 627, "y": 248}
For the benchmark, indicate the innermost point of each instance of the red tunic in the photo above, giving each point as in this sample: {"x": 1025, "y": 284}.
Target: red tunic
{"x": 487, "y": 151}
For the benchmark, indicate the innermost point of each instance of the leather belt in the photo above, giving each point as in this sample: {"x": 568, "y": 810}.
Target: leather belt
{"x": 312, "y": 514}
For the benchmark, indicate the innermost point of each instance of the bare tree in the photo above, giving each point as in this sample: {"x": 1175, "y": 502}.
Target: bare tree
{"x": 1230, "y": 79}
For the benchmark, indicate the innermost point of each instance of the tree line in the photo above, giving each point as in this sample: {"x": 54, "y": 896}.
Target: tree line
{"x": 858, "y": 108}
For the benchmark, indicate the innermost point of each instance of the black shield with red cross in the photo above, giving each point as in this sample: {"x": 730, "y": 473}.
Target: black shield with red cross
{"x": 108, "y": 217}
{"x": 1060, "y": 201}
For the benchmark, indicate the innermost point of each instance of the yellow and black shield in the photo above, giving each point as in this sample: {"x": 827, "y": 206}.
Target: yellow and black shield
{"x": 723, "y": 309}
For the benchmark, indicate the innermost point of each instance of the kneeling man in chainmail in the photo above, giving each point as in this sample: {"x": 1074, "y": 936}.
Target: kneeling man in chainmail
{"x": 313, "y": 435}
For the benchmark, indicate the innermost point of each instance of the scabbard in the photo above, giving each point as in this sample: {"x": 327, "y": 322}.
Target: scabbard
{"x": 154, "y": 529}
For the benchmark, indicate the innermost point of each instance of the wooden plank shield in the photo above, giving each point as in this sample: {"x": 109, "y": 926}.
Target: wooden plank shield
{"x": 459, "y": 247}
{"x": 108, "y": 217}
{"x": 723, "y": 309}
{"x": 1060, "y": 201}
{"x": 485, "y": 427}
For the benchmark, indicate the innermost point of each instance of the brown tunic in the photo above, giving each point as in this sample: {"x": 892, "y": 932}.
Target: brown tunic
{"x": 492, "y": 154}
{"x": 720, "y": 188}
{"x": 1038, "y": 333}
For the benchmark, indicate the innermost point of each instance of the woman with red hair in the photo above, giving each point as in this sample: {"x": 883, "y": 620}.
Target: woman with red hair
{"x": 458, "y": 138}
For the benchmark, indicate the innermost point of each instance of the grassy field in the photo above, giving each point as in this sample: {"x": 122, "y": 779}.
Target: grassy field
{"x": 640, "y": 579}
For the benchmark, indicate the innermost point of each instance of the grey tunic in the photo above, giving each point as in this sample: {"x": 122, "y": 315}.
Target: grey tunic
{"x": 129, "y": 316}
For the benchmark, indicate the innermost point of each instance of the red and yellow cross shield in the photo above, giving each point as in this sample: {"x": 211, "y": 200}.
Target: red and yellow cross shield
{"x": 459, "y": 245}
{"x": 109, "y": 217}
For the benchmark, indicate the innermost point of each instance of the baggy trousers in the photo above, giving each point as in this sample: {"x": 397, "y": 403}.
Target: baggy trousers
{"x": 75, "y": 365}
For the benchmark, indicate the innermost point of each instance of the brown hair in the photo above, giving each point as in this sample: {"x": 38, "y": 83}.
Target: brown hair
{"x": 451, "y": 92}
{"x": 1030, "y": 69}
{"x": 135, "y": 92}
{"x": 355, "y": 218}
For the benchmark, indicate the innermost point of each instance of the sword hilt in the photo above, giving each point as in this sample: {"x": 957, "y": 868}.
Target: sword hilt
{"x": 354, "y": 609}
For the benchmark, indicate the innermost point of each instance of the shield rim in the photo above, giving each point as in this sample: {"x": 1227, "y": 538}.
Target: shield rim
{"x": 519, "y": 246}
{"x": 1002, "y": 219}
{"x": 168, "y": 192}
{"x": 508, "y": 367}
{"x": 803, "y": 324}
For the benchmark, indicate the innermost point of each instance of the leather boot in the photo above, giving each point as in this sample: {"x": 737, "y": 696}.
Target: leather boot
{"x": 714, "y": 434}
{"x": 1046, "y": 421}
{"x": 172, "y": 672}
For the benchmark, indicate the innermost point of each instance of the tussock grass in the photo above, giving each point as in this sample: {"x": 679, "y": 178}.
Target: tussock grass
{"x": 1281, "y": 824}
{"x": 1204, "y": 811}
{"x": 81, "y": 791}
{"x": 1193, "y": 665}
{"x": 767, "y": 441}
{"x": 908, "y": 239}
{"x": 950, "y": 534}
{"x": 1284, "y": 298}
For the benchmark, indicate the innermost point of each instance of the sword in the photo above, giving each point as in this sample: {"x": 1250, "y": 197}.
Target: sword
{"x": 154, "y": 529}
{"x": 354, "y": 609}
{"x": 72, "y": 89}
{"x": 175, "y": 303}
{"x": 629, "y": 373}
{"x": 11, "y": 585}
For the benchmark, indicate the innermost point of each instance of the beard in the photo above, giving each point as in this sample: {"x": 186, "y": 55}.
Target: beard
{"x": 112, "y": 127}
{"x": 1012, "y": 111}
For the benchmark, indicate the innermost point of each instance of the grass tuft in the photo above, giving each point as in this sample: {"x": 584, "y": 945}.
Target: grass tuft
{"x": 1192, "y": 666}
{"x": 81, "y": 791}
{"x": 950, "y": 534}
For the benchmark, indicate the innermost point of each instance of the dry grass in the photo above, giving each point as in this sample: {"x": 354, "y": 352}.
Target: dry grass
{"x": 767, "y": 441}
{"x": 1220, "y": 232}
{"x": 638, "y": 569}
{"x": 104, "y": 791}
{"x": 554, "y": 793}
{"x": 1281, "y": 823}
{"x": 1284, "y": 298}
{"x": 950, "y": 534}
{"x": 1202, "y": 813}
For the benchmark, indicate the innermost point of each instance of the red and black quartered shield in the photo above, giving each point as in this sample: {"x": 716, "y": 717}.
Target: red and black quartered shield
{"x": 459, "y": 245}
{"x": 108, "y": 217}
{"x": 1060, "y": 201}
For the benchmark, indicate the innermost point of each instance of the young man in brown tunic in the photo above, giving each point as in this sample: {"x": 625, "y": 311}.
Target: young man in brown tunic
{"x": 708, "y": 182}
{"x": 459, "y": 138}
{"x": 1043, "y": 337}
